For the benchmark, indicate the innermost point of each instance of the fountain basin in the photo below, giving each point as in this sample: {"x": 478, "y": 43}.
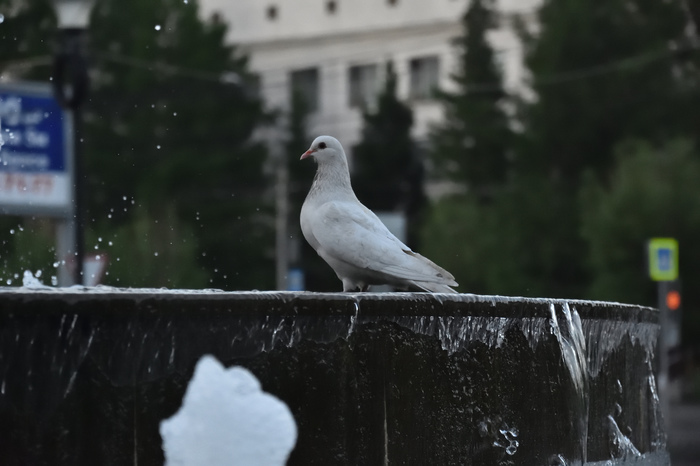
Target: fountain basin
{"x": 86, "y": 375}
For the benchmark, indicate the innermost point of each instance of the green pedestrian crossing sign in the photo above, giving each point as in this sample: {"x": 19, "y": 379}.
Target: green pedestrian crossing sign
{"x": 663, "y": 259}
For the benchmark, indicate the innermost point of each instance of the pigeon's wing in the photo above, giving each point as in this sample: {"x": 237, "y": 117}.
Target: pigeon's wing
{"x": 350, "y": 232}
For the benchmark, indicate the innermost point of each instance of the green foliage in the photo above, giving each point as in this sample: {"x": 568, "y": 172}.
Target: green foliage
{"x": 149, "y": 251}
{"x": 653, "y": 192}
{"x": 509, "y": 246}
{"x": 164, "y": 130}
{"x": 603, "y": 72}
{"x": 525, "y": 238}
{"x": 387, "y": 170}
{"x": 165, "y": 138}
{"x": 298, "y": 141}
{"x": 473, "y": 143}
{"x": 515, "y": 232}
{"x": 26, "y": 245}
{"x": 25, "y": 38}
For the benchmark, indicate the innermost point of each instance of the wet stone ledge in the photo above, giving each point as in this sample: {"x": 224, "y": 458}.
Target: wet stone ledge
{"x": 86, "y": 375}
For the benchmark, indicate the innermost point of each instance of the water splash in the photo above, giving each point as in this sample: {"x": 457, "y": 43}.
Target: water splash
{"x": 605, "y": 335}
{"x": 621, "y": 447}
{"x": 501, "y": 435}
{"x": 510, "y": 435}
{"x": 569, "y": 333}
{"x": 658, "y": 440}
{"x": 30, "y": 280}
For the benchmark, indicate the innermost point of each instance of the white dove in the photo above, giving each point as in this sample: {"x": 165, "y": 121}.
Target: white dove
{"x": 352, "y": 239}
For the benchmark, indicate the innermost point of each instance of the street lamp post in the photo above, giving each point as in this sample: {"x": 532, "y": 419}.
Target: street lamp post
{"x": 70, "y": 83}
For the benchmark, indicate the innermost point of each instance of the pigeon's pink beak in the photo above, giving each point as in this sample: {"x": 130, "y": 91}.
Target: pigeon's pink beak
{"x": 307, "y": 154}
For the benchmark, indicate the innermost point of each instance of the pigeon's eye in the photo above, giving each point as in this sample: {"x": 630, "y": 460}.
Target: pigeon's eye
{"x": 321, "y": 145}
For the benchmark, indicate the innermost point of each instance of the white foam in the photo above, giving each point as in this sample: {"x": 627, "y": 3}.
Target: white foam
{"x": 227, "y": 419}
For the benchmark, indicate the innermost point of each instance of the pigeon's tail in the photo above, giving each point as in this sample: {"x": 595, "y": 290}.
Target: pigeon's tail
{"x": 432, "y": 287}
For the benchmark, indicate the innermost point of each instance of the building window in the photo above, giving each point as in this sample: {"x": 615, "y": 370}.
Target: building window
{"x": 364, "y": 86}
{"x": 331, "y": 6}
{"x": 272, "y": 12}
{"x": 424, "y": 77}
{"x": 306, "y": 83}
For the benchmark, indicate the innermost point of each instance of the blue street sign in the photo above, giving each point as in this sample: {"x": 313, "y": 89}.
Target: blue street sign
{"x": 663, "y": 259}
{"x": 35, "y": 152}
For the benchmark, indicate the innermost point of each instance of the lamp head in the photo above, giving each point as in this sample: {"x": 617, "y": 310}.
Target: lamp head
{"x": 73, "y": 14}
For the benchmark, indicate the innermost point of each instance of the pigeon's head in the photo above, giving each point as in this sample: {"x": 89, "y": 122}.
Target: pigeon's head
{"x": 324, "y": 149}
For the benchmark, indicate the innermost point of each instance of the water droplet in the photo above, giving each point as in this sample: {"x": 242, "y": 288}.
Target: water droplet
{"x": 157, "y": 27}
{"x": 158, "y": 146}
{"x": 155, "y": 254}
{"x": 2, "y": 19}
{"x": 124, "y": 198}
{"x": 110, "y": 243}
{"x": 54, "y": 280}
{"x": 12, "y": 231}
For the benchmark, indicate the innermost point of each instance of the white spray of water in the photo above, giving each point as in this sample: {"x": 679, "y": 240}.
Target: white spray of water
{"x": 225, "y": 419}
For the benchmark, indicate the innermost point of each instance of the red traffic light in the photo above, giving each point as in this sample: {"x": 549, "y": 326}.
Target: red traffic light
{"x": 673, "y": 300}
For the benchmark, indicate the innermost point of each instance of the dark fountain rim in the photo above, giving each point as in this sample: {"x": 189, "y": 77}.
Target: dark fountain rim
{"x": 301, "y": 303}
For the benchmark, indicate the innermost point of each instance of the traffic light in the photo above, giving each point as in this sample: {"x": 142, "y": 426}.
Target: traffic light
{"x": 673, "y": 300}
{"x": 672, "y": 296}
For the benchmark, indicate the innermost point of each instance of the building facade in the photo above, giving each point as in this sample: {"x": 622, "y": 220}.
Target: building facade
{"x": 334, "y": 52}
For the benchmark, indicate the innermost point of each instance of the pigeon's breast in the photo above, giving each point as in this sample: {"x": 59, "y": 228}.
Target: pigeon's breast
{"x": 306, "y": 225}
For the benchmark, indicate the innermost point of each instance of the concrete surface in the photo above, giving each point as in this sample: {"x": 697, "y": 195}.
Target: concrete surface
{"x": 684, "y": 434}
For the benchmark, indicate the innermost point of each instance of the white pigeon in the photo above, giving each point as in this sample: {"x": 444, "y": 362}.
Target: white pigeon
{"x": 352, "y": 239}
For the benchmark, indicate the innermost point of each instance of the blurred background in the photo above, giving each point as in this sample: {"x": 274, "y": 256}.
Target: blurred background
{"x": 530, "y": 147}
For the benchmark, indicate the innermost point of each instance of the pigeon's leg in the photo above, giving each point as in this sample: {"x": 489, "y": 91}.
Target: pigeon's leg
{"x": 348, "y": 286}
{"x": 353, "y": 286}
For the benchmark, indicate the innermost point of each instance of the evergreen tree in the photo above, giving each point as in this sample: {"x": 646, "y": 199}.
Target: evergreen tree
{"x": 652, "y": 192}
{"x": 300, "y": 176}
{"x": 181, "y": 137}
{"x": 26, "y": 38}
{"x": 604, "y": 71}
{"x": 473, "y": 142}
{"x": 168, "y": 132}
{"x": 516, "y": 244}
{"x": 387, "y": 170}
